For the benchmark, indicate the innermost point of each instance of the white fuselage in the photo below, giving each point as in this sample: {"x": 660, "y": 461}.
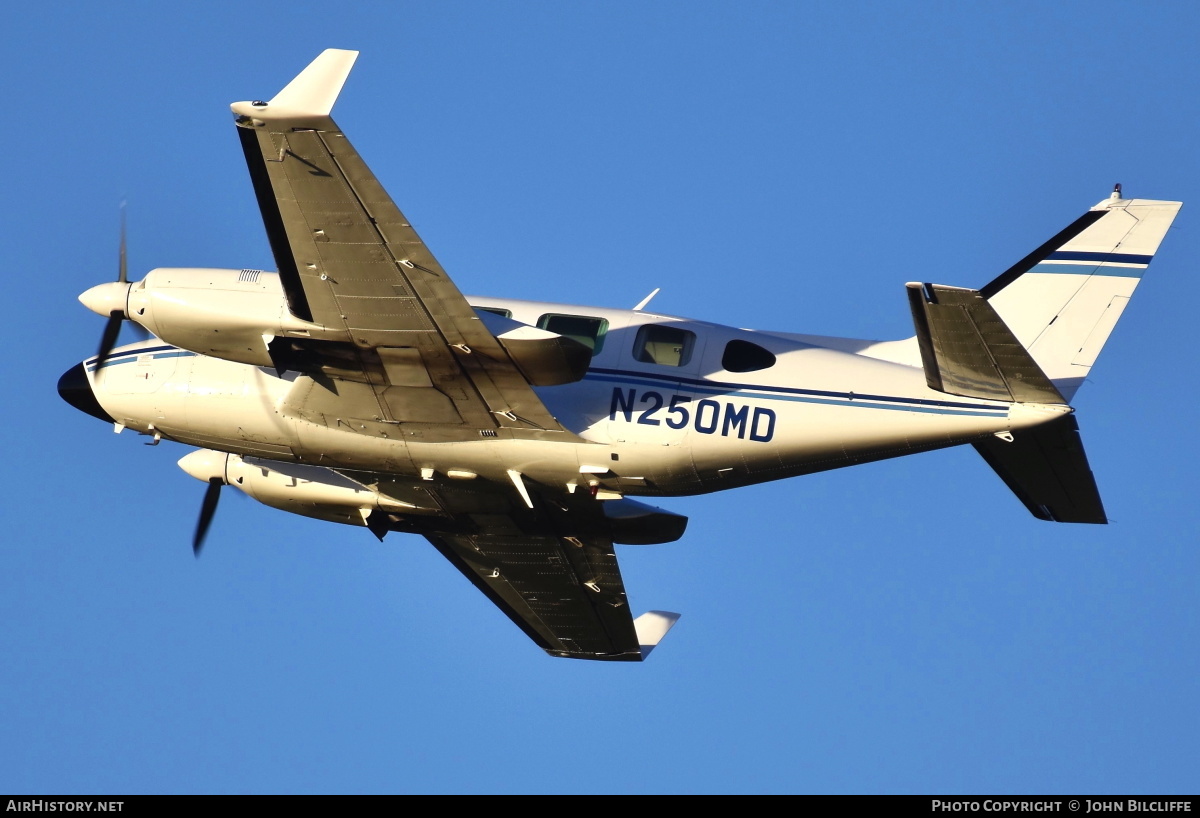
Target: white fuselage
{"x": 651, "y": 428}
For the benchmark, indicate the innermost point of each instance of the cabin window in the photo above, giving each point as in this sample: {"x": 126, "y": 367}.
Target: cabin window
{"x": 503, "y": 313}
{"x": 743, "y": 356}
{"x": 582, "y": 328}
{"x": 669, "y": 346}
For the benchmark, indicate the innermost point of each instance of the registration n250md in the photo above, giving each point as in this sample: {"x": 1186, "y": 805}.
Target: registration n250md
{"x": 704, "y": 415}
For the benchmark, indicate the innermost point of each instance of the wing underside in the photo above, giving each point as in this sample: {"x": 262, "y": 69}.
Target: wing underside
{"x": 383, "y": 310}
{"x": 551, "y": 569}
{"x": 566, "y": 594}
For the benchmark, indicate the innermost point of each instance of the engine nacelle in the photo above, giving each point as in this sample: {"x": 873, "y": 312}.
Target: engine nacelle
{"x": 237, "y": 314}
{"x": 313, "y": 491}
{"x": 230, "y": 314}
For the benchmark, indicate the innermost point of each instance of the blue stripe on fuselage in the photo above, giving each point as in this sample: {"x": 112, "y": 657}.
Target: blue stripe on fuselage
{"x": 785, "y": 393}
{"x": 165, "y": 351}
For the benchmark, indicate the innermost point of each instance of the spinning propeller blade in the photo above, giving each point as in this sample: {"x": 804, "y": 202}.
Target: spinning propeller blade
{"x": 112, "y": 328}
{"x": 122, "y": 278}
{"x": 108, "y": 340}
{"x": 207, "y": 509}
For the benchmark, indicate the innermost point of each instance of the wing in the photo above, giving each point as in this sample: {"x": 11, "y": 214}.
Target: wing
{"x": 381, "y": 311}
{"x": 566, "y": 593}
{"x": 551, "y": 568}
{"x": 387, "y": 337}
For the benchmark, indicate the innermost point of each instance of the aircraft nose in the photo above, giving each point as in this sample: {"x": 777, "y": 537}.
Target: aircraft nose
{"x": 74, "y": 388}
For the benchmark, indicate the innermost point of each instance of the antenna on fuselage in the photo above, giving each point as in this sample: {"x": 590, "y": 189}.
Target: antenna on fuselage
{"x": 642, "y": 304}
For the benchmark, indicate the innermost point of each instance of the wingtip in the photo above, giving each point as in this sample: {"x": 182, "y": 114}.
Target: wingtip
{"x": 311, "y": 94}
{"x": 651, "y": 627}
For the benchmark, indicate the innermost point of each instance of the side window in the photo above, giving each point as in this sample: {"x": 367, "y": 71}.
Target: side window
{"x": 743, "y": 356}
{"x": 495, "y": 310}
{"x": 659, "y": 344}
{"x": 582, "y": 328}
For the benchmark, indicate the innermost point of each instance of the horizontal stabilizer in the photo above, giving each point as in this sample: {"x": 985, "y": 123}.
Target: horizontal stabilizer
{"x": 651, "y": 627}
{"x": 1046, "y": 467}
{"x": 967, "y": 349}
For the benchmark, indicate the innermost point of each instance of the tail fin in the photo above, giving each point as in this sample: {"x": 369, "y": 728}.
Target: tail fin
{"x": 1063, "y": 299}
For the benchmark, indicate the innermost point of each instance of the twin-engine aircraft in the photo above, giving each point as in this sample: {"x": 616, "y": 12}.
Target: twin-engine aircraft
{"x": 358, "y": 385}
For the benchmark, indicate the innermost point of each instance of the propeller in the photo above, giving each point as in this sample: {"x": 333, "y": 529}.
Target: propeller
{"x": 208, "y": 509}
{"x": 209, "y": 466}
{"x": 112, "y": 327}
{"x": 110, "y": 299}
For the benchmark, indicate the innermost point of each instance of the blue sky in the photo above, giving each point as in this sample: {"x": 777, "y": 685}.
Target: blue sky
{"x": 898, "y": 627}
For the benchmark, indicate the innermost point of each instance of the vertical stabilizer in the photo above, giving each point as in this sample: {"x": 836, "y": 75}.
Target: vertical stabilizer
{"x": 1062, "y": 301}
